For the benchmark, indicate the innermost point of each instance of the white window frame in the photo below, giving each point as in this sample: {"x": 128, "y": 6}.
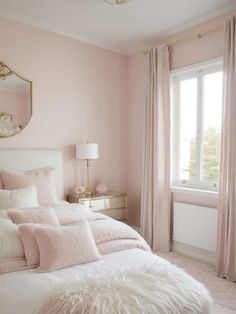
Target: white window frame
{"x": 194, "y": 71}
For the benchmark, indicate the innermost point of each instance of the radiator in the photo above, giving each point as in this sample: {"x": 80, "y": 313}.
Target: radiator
{"x": 195, "y": 226}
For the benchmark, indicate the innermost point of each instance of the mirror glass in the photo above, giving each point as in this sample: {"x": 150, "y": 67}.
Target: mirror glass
{"x": 15, "y": 101}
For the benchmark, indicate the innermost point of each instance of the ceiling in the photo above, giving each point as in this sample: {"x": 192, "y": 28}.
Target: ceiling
{"x": 125, "y": 28}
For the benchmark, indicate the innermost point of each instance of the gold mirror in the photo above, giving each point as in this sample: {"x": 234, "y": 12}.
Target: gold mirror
{"x": 15, "y": 101}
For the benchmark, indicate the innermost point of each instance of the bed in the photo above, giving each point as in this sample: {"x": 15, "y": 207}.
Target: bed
{"x": 127, "y": 278}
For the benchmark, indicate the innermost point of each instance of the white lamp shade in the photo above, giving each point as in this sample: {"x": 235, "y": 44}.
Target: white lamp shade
{"x": 87, "y": 151}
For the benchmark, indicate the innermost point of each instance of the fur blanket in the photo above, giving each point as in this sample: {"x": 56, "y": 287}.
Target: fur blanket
{"x": 160, "y": 288}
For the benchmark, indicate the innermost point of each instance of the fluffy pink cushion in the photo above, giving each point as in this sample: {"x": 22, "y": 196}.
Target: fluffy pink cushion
{"x": 26, "y": 232}
{"x": 41, "y": 216}
{"x": 43, "y": 179}
{"x": 62, "y": 247}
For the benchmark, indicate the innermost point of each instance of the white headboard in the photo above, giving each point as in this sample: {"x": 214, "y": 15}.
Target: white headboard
{"x": 29, "y": 159}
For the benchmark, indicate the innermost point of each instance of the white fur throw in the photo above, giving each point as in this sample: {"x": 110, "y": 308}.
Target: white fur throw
{"x": 11, "y": 245}
{"x": 160, "y": 288}
{"x": 19, "y": 198}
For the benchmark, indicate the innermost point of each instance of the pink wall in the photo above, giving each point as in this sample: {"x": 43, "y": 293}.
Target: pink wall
{"x": 184, "y": 54}
{"x": 79, "y": 94}
{"x": 17, "y": 104}
{"x": 210, "y": 46}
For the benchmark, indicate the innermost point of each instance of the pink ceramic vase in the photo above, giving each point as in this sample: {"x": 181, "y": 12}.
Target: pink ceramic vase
{"x": 101, "y": 188}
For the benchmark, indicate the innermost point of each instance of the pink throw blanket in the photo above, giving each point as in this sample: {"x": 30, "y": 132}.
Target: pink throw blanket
{"x": 8, "y": 265}
{"x": 110, "y": 235}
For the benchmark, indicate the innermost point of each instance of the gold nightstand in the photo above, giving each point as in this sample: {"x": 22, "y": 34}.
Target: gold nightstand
{"x": 111, "y": 204}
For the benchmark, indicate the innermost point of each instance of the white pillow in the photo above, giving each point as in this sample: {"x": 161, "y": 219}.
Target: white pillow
{"x": 20, "y": 198}
{"x": 11, "y": 245}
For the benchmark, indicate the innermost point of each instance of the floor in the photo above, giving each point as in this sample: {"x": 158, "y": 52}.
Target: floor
{"x": 223, "y": 292}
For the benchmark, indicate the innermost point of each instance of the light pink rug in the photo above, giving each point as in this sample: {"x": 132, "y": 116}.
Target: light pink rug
{"x": 223, "y": 292}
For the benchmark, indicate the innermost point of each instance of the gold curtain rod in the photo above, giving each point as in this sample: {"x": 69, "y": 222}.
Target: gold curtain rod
{"x": 198, "y": 35}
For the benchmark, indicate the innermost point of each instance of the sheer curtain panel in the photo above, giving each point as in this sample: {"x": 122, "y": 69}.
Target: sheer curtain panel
{"x": 226, "y": 247}
{"x": 155, "y": 204}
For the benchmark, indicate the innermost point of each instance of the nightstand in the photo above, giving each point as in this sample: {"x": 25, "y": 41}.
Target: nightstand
{"x": 111, "y": 204}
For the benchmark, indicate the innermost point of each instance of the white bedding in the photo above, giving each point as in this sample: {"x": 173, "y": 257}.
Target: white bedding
{"x": 25, "y": 292}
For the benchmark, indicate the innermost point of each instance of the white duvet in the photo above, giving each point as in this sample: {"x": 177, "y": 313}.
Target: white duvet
{"x": 28, "y": 291}
{"x": 25, "y": 292}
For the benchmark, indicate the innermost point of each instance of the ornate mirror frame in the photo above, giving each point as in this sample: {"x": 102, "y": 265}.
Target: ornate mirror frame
{"x": 6, "y": 71}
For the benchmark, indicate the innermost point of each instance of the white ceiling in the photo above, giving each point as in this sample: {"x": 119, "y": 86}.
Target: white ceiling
{"x": 126, "y": 28}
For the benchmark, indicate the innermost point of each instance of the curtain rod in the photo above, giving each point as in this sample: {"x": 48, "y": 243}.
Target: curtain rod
{"x": 195, "y": 35}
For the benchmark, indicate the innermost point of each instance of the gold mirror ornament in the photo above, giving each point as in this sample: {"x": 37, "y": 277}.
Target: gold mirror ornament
{"x": 15, "y": 101}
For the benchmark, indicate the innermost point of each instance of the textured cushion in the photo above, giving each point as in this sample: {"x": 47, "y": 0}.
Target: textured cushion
{"x": 26, "y": 232}
{"x": 11, "y": 245}
{"x": 25, "y": 197}
{"x": 41, "y": 216}
{"x": 61, "y": 247}
{"x": 43, "y": 179}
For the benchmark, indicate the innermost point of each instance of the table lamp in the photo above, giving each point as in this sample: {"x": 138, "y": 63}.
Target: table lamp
{"x": 87, "y": 151}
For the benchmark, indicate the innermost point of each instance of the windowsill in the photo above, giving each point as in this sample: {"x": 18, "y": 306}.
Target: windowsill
{"x": 195, "y": 192}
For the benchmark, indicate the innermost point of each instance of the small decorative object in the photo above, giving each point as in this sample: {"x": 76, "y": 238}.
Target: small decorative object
{"x": 7, "y": 128}
{"x": 5, "y": 117}
{"x": 79, "y": 189}
{"x": 101, "y": 188}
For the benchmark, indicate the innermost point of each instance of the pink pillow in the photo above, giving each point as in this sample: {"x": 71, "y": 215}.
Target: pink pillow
{"x": 43, "y": 179}
{"x": 26, "y": 232}
{"x": 42, "y": 216}
{"x": 62, "y": 247}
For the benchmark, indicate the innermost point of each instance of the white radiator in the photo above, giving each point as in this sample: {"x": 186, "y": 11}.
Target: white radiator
{"x": 195, "y": 226}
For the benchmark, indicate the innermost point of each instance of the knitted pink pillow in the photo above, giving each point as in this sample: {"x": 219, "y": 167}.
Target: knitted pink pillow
{"x": 62, "y": 247}
{"x": 43, "y": 179}
{"x": 41, "y": 216}
{"x": 26, "y": 232}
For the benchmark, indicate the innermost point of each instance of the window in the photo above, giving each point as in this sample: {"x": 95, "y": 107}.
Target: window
{"x": 196, "y": 125}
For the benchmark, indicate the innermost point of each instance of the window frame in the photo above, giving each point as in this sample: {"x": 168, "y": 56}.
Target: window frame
{"x": 194, "y": 71}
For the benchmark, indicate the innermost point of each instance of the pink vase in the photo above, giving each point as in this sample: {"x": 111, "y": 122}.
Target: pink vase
{"x": 101, "y": 188}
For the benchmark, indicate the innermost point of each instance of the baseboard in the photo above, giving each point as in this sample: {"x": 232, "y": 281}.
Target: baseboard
{"x": 193, "y": 252}
{"x": 190, "y": 251}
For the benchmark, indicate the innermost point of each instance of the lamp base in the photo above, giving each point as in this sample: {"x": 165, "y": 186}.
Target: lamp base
{"x": 88, "y": 193}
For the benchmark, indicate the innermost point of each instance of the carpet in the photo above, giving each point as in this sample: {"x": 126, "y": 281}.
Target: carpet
{"x": 222, "y": 291}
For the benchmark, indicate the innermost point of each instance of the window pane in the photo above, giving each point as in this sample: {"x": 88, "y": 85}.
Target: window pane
{"x": 187, "y": 127}
{"x": 212, "y": 114}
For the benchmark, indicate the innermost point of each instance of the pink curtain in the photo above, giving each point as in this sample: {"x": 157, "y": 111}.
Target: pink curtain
{"x": 155, "y": 204}
{"x": 226, "y": 247}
